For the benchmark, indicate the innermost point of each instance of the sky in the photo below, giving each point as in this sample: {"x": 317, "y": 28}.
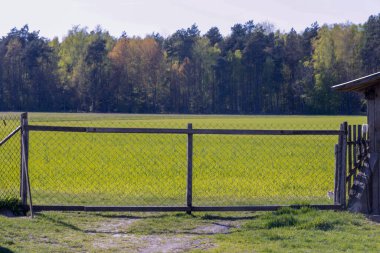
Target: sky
{"x": 141, "y": 17}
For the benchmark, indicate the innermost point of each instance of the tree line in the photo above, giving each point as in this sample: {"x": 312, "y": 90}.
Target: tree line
{"x": 253, "y": 70}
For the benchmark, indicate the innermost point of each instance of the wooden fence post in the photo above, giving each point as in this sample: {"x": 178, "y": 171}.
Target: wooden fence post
{"x": 25, "y": 183}
{"x": 349, "y": 159}
{"x": 340, "y": 167}
{"x": 337, "y": 178}
{"x": 343, "y": 172}
{"x": 24, "y": 159}
{"x": 189, "y": 192}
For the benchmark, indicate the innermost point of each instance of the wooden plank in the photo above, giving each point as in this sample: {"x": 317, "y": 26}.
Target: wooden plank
{"x": 108, "y": 130}
{"x": 359, "y": 147}
{"x": 267, "y": 132}
{"x": 139, "y": 209}
{"x": 375, "y": 191}
{"x": 344, "y": 166}
{"x": 21, "y": 162}
{"x": 23, "y": 183}
{"x": 26, "y": 171}
{"x": 189, "y": 188}
{"x": 349, "y": 178}
{"x": 355, "y": 147}
{"x": 375, "y": 201}
{"x": 371, "y": 123}
{"x": 336, "y": 181}
{"x": 10, "y": 135}
{"x": 57, "y": 129}
{"x": 138, "y": 130}
{"x": 260, "y": 208}
{"x": 184, "y": 131}
{"x": 39, "y": 208}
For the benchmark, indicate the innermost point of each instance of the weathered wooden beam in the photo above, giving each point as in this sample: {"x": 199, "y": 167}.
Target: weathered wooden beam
{"x": 24, "y": 150}
{"x": 56, "y": 129}
{"x": 10, "y": 135}
{"x": 349, "y": 150}
{"x": 336, "y": 176}
{"x": 39, "y": 208}
{"x": 260, "y": 208}
{"x": 267, "y": 132}
{"x": 189, "y": 186}
{"x": 25, "y": 162}
{"x": 343, "y": 172}
{"x": 183, "y": 131}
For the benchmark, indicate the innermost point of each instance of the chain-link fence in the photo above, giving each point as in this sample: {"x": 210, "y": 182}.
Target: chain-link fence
{"x": 84, "y": 167}
{"x": 263, "y": 170}
{"x": 235, "y": 161}
{"x": 107, "y": 169}
{"x": 10, "y": 155}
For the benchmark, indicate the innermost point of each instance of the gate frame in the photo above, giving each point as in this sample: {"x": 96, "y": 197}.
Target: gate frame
{"x": 25, "y": 191}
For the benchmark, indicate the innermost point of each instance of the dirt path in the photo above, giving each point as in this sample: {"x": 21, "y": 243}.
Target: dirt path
{"x": 115, "y": 237}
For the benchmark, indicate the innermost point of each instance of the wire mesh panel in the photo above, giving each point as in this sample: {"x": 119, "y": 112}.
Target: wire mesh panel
{"x": 10, "y": 153}
{"x": 150, "y": 169}
{"x": 107, "y": 169}
{"x": 263, "y": 170}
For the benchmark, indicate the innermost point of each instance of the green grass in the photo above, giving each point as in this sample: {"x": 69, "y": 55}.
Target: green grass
{"x": 286, "y": 230}
{"x": 305, "y": 230}
{"x": 136, "y": 169}
{"x": 147, "y": 169}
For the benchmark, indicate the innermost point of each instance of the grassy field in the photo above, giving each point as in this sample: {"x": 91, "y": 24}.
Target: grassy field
{"x": 147, "y": 169}
{"x": 136, "y": 169}
{"x": 286, "y": 230}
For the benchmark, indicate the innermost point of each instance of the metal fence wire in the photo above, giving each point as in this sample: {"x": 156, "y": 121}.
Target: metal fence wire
{"x": 263, "y": 170}
{"x": 107, "y": 169}
{"x": 10, "y": 156}
{"x": 87, "y": 168}
{"x": 137, "y": 169}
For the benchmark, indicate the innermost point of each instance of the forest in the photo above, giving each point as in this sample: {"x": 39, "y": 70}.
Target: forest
{"x": 253, "y": 70}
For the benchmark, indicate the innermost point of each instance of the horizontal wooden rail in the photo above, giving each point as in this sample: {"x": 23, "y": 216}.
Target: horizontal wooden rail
{"x": 10, "y": 135}
{"x": 181, "y": 131}
{"x": 39, "y": 208}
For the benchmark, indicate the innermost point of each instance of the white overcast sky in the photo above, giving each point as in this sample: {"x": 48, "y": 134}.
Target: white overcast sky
{"x": 141, "y": 17}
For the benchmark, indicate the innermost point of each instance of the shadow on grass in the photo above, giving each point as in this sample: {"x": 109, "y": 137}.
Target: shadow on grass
{"x": 374, "y": 218}
{"x": 5, "y": 250}
{"x": 212, "y": 229}
{"x": 124, "y": 216}
{"x": 147, "y": 215}
{"x": 217, "y": 224}
{"x": 228, "y": 218}
{"x": 94, "y": 231}
{"x": 59, "y": 222}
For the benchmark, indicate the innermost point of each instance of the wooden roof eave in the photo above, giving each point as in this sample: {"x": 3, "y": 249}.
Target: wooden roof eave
{"x": 360, "y": 85}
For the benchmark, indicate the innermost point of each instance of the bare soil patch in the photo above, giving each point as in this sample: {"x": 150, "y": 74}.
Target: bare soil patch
{"x": 222, "y": 227}
{"x": 117, "y": 239}
{"x": 152, "y": 243}
{"x": 113, "y": 226}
